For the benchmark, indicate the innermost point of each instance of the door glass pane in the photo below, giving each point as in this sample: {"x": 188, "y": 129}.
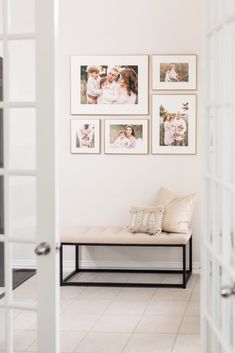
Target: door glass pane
{"x": 22, "y": 71}
{"x": 22, "y": 17}
{"x": 1, "y": 16}
{"x": 1, "y": 72}
{"x": 24, "y": 330}
{"x": 22, "y": 138}
{"x": 22, "y": 206}
{"x": 24, "y": 274}
{"x": 1, "y": 139}
{"x": 2, "y": 329}
{"x": 1, "y": 273}
{"x": 1, "y": 204}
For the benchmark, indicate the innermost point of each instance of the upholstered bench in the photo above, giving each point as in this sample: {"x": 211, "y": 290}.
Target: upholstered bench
{"x": 115, "y": 236}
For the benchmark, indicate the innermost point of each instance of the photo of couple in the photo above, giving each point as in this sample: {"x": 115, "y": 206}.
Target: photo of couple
{"x": 109, "y": 85}
{"x": 174, "y": 126}
{"x": 174, "y": 72}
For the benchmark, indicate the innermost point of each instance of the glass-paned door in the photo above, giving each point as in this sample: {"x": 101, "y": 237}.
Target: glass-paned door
{"x": 218, "y": 294}
{"x": 28, "y": 234}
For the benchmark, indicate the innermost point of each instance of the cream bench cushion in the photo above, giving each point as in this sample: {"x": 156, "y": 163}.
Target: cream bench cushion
{"x": 119, "y": 235}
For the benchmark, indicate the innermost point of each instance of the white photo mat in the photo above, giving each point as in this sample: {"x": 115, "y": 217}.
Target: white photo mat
{"x": 141, "y": 108}
{"x": 157, "y": 81}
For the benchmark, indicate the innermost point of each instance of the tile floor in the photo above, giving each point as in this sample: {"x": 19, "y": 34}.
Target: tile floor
{"x": 115, "y": 320}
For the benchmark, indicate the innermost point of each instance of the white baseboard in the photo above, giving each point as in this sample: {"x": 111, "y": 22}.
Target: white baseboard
{"x": 150, "y": 265}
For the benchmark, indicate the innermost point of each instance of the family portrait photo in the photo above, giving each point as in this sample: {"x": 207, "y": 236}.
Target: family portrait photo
{"x": 109, "y": 85}
{"x": 175, "y": 72}
{"x": 126, "y": 137}
{"x": 85, "y": 136}
{"x": 174, "y": 124}
{"x": 114, "y": 85}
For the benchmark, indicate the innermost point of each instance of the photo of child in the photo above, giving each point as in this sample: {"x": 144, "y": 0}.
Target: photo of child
{"x": 174, "y": 72}
{"x": 93, "y": 84}
{"x": 108, "y": 95}
{"x": 85, "y": 136}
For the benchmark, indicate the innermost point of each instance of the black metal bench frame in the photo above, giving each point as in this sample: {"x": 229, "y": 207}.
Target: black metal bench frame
{"x": 185, "y": 271}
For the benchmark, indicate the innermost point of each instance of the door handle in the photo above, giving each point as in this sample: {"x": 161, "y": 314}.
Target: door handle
{"x": 42, "y": 249}
{"x": 227, "y": 291}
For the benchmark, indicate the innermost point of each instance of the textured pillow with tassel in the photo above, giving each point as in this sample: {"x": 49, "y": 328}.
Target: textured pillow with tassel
{"x": 146, "y": 220}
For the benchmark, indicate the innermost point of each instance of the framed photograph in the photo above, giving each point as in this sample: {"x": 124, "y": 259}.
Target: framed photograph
{"x": 109, "y": 85}
{"x": 126, "y": 136}
{"x": 174, "y": 72}
{"x": 174, "y": 124}
{"x": 85, "y": 136}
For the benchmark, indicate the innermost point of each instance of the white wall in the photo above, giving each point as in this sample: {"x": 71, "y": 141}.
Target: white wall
{"x": 100, "y": 189}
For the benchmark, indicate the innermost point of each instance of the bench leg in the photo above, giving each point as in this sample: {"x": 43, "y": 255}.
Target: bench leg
{"x": 77, "y": 258}
{"x": 190, "y": 255}
{"x": 61, "y": 264}
{"x": 184, "y": 273}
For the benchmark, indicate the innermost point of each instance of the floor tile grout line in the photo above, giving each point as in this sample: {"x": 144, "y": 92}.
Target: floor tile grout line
{"x": 90, "y": 330}
{"x": 178, "y": 332}
{"x": 134, "y": 330}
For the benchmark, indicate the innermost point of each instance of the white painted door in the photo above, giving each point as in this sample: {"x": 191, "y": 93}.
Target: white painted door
{"x": 28, "y": 317}
{"x": 218, "y": 293}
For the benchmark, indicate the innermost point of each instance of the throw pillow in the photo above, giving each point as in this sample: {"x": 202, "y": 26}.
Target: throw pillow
{"x": 146, "y": 220}
{"x": 177, "y": 211}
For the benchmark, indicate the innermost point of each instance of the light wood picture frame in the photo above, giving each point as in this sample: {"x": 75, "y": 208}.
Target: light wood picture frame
{"x": 174, "y": 72}
{"x": 174, "y": 123}
{"x": 85, "y": 136}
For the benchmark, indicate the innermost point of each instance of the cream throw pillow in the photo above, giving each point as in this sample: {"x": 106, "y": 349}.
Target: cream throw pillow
{"x": 146, "y": 220}
{"x": 177, "y": 211}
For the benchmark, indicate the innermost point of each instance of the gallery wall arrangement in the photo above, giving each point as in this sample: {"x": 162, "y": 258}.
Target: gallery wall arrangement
{"x": 106, "y": 86}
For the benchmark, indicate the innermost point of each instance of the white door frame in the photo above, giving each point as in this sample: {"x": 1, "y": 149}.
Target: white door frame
{"x": 46, "y": 19}
{"x": 47, "y": 199}
{"x": 218, "y": 240}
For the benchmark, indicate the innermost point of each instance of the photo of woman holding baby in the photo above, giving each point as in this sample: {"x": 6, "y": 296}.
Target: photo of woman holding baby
{"x": 126, "y": 137}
